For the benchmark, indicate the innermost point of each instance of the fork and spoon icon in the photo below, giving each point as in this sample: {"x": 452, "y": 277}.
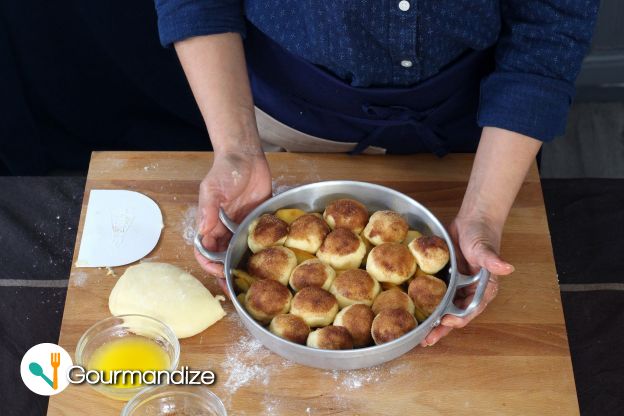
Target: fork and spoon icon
{"x": 55, "y": 362}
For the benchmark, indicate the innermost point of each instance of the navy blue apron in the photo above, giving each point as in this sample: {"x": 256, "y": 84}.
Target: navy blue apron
{"x": 438, "y": 115}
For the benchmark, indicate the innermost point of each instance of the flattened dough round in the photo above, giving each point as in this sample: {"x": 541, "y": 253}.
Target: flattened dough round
{"x": 168, "y": 293}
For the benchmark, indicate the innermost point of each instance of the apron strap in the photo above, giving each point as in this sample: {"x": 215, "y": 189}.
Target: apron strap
{"x": 391, "y": 116}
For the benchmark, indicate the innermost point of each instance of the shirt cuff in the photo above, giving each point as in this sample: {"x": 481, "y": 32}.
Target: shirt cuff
{"x": 528, "y": 104}
{"x": 182, "y": 20}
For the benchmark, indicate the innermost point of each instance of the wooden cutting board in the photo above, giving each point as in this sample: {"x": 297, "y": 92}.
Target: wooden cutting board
{"x": 513, "y": 359}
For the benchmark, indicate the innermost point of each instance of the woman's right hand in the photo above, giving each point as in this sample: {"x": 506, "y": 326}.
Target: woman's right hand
{"x": 237, "y": 182}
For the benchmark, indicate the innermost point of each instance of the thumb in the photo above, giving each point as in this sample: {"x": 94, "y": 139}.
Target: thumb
{"x": 208, "y": 214}
{"x": 484, "y": 255}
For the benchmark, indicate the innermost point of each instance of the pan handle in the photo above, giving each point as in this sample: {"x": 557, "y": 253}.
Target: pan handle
{"x": 218, "y": 257}
{"x": 482, "y": 278}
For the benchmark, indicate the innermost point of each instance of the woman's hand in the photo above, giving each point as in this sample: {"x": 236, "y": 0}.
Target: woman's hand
{"x": 477, "y": 244}
{"x": 237, "y": 182}
{"x": 500, "y": 166}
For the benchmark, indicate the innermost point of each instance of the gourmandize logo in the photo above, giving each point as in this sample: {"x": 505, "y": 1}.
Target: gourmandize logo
{"x": 44, "y": 369}
{"x": 55, "y": 361}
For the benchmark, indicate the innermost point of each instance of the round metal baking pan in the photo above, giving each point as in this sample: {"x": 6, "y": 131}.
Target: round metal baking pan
{"x": 313, "y": 198}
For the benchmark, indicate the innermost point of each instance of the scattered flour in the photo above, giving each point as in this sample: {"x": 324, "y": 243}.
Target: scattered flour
{"x": 236, "y": 176}
{"x": 283, "y": 183}
{"x": 244, "y": 364}
{"x": 248, "y": 363}
{"x": 188, "y": 224}
{"x": 271, "y": 405}
{"x": 149, "y": 167}
{"x": 308, "y": 173}
{"x": 354, "y": 379}
{"x": 79, "y": 279}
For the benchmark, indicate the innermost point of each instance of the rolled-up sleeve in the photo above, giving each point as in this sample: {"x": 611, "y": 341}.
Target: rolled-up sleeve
{"x": 181, "y": 19}
{"x": 538, "y": 58}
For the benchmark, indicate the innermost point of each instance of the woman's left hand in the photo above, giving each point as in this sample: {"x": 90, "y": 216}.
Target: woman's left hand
{"x": 477, "y": 244}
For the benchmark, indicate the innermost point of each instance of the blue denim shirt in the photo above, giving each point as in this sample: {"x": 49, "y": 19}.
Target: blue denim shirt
{"x": 540, "y": 44}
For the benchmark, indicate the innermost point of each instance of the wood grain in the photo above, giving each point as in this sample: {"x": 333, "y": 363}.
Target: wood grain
{"x": 513, "y": 359}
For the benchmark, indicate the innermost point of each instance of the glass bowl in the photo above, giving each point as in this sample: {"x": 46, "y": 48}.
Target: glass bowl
{"x": 179, "y": 400}
{"x": 117, "y": 327}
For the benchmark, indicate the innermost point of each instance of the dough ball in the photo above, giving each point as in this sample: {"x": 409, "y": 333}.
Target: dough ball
{"x": 358, "y": 320}
{"x": 354, "y": 286}
{"x": 393, "y": 298}
{"x": 388, "y": 285}
{"x": 302, "y": 255}
{"x": 391, "y": 262}
{"x": 342, "y": 249}
{"x": 386, "y": 227}
{"x": 288, "y": 215}
{"x": 275, "y": 263}
{"x": 312, "y": 272}
{"x": 330, "y": 338}
{"x": 307, "y": 233}
{"x": 346, "y": 213}
{"x": 241, "y": 299}
{"x": 391, "y": 324}
{"x": 266, "y": 299}
{"x": 316, "y": 306}
{"x": 266, "y": 231}
{"x": 427, "y": 293}
{"x": 167, "y": 293}
{"x": 431, "y": 253}
{"x": 411, "y": 236}
{"x": 369, "y": 247}
{"x": 290, "y": 327}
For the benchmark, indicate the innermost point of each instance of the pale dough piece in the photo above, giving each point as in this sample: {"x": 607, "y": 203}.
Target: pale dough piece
{"x": 169, "y": 294}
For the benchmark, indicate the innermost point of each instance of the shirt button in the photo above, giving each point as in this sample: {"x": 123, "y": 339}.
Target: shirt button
{"x": 406, "y": 64}
{"x": 404, "y": 5}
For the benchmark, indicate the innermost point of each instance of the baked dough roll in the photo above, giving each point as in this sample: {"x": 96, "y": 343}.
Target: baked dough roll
{"x": 330, "y": 338}
{"x": 342, "y": 249}
{"x": 316, "y": 306}
{"x": 391, "y": 262}
{"x": 312, "y": 272}
{"x": 426, "y": 293}
{"x": 391, "y": 324}
{"x": 266, "y": 299}
{"x": 346, "y": 213}
{"x": 393, "y": 298}
{"x": 290, "y": 327}
{"x": 369, "y": 246}
{"x": 354, "y": 286}
{"x": 386, "y": 227}
{"x": 266, "y": 231}
{"x": 358, "y": 320}
{"x": 307, "y": 233}
{"x": 275, "y": 263}
{"x": 431, "y": 253}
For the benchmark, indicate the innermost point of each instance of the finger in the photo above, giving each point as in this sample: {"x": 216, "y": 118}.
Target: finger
{"x": 208, "y": 210}
{"x": 462, "y": 264}
{"x": 215, "y": 269}
{"x": 213, "y": 240}
{"x": 224, "y": 241}
{"x": 223, "y": 284}
{"x": 485, "y": 256}
{"x": 435, "y": 335}
{"x": 219, "y": 230}
{"x": 456, "y": 322}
